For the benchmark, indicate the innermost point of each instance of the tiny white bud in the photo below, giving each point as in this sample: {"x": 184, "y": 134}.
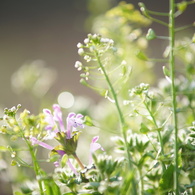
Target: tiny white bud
{"x": 86, "y": 41}
{"x": 78, "y": 64}
{"x": 79, "y": 45}
{"x": 81, "y": 51}
{"x": 87, "y": 58}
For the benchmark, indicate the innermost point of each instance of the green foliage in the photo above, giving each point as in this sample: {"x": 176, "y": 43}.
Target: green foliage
{"x": 148, "y": 130}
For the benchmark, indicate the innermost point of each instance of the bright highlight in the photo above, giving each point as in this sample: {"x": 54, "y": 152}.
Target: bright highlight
{"x": 66, "y": 100}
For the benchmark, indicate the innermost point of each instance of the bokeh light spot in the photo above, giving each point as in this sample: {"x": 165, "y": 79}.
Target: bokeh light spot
{"x": 66, "y": 99}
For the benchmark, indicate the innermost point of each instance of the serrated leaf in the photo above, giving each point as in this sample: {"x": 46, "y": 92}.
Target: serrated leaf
{"x": 166, "y": 182}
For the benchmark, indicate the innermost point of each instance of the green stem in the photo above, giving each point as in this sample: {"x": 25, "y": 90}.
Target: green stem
{"x": 35, "y": 165}
{"x": 173, "y": 91}
{"x": 141, "y": 182}
{"x": 157, "y": 13}
{"x": 78, "y": 160}
{"x": 121, "y": 117}
{"x": 159, "y": 134}
{"x": 183, "y": 27}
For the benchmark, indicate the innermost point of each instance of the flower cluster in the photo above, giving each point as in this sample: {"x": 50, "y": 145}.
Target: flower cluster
{"x": 140, "y": 89}
{"x": 93, "y": 46}
{"x": 67, "y": 137}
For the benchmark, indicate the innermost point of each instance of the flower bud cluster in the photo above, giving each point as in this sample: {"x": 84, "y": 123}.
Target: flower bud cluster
{"x": 139, "y": 90}
{"x": 94, "y": 43}
{"x": 94, "y": 46}
{"x": 12, "y": 111}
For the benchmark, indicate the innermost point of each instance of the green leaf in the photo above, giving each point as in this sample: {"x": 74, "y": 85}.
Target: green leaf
{"x": 53, "y": 156}
{"x": 192, "y": 135}
{"x": 13, "y": 163}
{"x": 166, "y": 71}
{"x": 64, "y": 160}
{"x": 88, "y": 121}
{"x": 144, "y": 129}
{"x": 151, "y": 34}
{"x": 18, "y": 193}
{"x": 182, "y": 6}
{"x": 166, "y": 182}
{"x": 141, "y": 55}
{"x": 3, "y": 149}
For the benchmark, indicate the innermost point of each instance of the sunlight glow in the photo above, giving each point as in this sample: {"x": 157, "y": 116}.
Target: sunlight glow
{"x": 66, "y": 99}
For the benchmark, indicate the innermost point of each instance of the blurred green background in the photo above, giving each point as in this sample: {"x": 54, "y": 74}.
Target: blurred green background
{"x": 44, "y": 34}
{"x": 49, "y": 31}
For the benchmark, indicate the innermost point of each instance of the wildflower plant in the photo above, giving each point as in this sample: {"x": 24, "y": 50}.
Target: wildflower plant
{"x": 151, "y": 145}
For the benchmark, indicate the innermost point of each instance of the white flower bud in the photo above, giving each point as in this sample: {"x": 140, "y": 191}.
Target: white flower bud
{"x": 86, "y": 41}
{"x": 81, "y": 51}
{"x": 78, "y": 65}
{"x": 87, "y": 58}
{"x": 79, "y": 45}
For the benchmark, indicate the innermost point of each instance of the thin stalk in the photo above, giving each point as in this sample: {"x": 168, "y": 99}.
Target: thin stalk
{"x": 34, "y": 160}
{"x": 36, "y": 166}
{"x": 183, "y": 27}
{"x": 157, "y": 13}
{"x": 141, "y": 182}
{"x": 78, "y": 160}
{"x": 121, "y": 117}
{"x": 173, "y": 91}
{"x": 159, "y": 134}
{"x": 162, "y": 37}
{"x": 154, "y": 19}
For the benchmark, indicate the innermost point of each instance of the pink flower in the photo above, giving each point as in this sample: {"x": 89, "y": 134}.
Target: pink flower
{"x": 93, "y": 147}
{"x": 73, "y": 121}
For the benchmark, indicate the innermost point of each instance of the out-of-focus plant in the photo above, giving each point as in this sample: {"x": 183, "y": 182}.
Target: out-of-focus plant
{"x": 124, "y": 24}
{"x": 153, "y": 150}
{"x": 150, "y": 112}
{"x": 33, "y": 79}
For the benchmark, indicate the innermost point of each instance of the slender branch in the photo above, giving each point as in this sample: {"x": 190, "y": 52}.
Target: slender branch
{"x": 156, "y": 20}
{"x": 158, "y": 13}
{"x": 34, "y": 160}
{"x": 162, "y": 37}
{"x": 173, "y": 91}
{"x": 147, "y": 14}
{"x": 78, "y": 160}
{"x": 121, "y": 117}
{"x": 35, "y": 165}
{"x": 159, "y": 134}
{"x": 184, "y": 27}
